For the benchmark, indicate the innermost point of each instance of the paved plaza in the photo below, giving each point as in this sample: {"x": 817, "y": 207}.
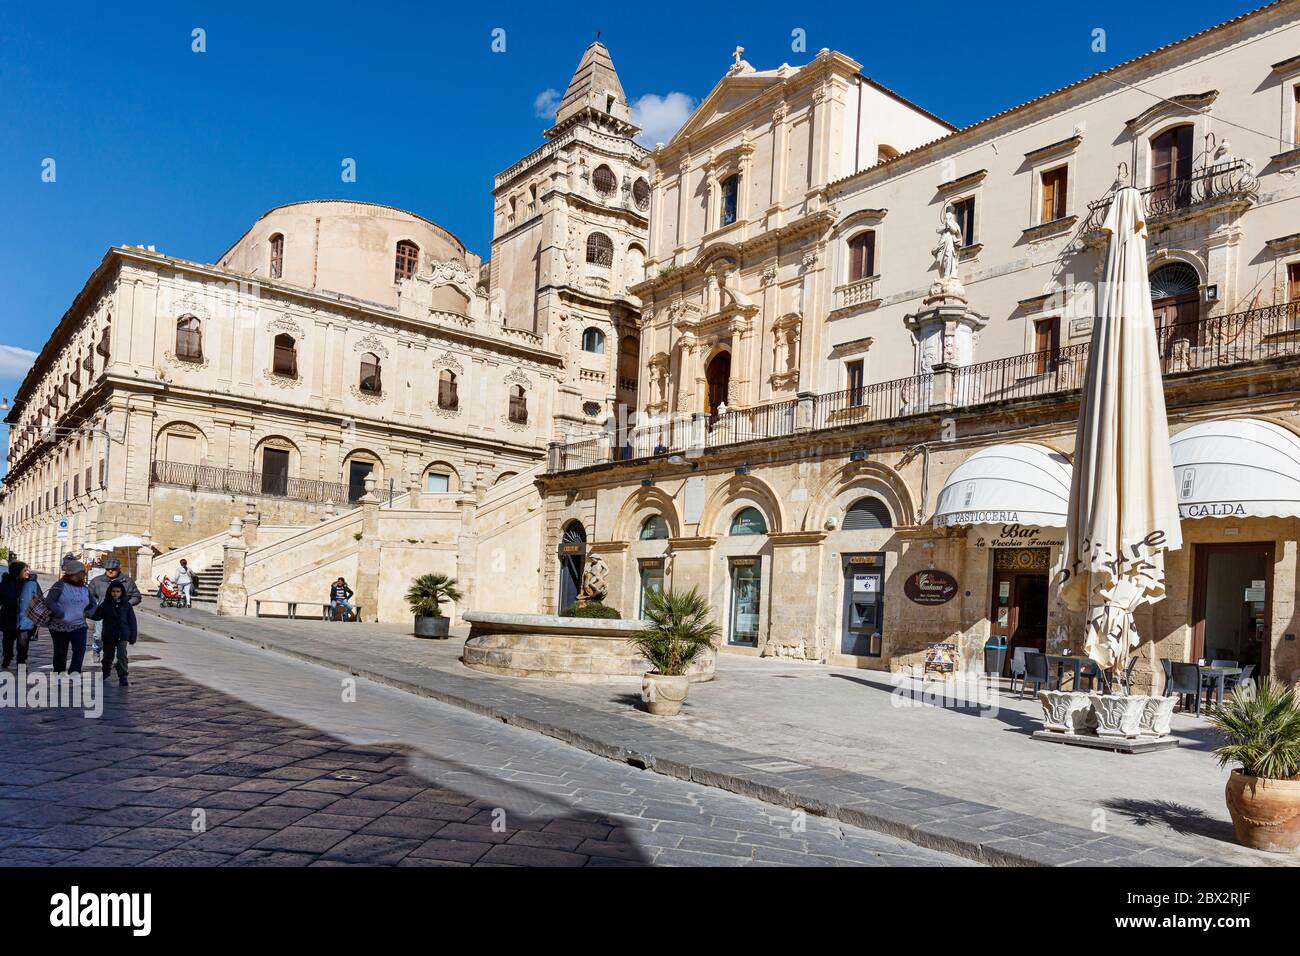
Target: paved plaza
{"x": 280, "y": 770}
{"x": 1162, "y": 808}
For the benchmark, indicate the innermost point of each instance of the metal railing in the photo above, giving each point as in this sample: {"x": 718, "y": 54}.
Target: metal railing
{"x": 230, "y": 481}
{"x": 1206, "y": 186}
{"x": 1223, "y": 341}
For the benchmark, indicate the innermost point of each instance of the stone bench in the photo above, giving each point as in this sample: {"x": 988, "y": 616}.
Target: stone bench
{"x": 582, "y": 650}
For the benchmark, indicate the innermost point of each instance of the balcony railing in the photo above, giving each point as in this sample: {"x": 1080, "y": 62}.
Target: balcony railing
{"x": 232, "y": 482}
{"x": 1207, "y": 186}
{"x": 1220, "y": 342}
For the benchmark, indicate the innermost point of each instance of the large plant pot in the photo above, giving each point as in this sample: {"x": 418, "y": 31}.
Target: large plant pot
{"x": 434, "y": 627}
{"x": 1066, "y": 712}
{"x": 1265, "y": 813}
{"x": 1118, "y": 715}
{"x": 1156, "y": 714}
{"x": 664, "y": 695}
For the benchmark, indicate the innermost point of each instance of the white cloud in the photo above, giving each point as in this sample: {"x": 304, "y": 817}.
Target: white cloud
{"x": 660, "y": 116}
{"x": 546, "y": 103}
{"x": 14, "y": 362}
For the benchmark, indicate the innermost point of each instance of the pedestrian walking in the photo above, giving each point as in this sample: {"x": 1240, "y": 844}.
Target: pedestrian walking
{"x": 16, "y": 592}
{"x": 117, "y": 618}
{"x": 99, "y": 590}
{"x": 340, "y": 596}
{"x": 70, "y": 604}
{"x": 185, "y": 581}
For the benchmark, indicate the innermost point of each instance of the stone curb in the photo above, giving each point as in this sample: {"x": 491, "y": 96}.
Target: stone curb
{"x": 936, "y": 821}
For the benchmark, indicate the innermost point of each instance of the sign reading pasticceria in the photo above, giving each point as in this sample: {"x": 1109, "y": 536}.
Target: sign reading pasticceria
{"x": 930, "y": 587}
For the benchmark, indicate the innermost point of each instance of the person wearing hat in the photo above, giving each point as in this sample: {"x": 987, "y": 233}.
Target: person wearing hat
{"x": 99, "y": 590}
{"x": 70, "y": 604}
{"x": 116, "y": 617}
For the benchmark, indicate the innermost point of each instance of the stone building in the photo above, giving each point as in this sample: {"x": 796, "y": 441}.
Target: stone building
{"x": 864, "y": 334}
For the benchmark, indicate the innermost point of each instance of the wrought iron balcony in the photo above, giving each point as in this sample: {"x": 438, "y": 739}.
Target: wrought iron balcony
{"x": 1209, "y": 186}
{"x": 1220, "y": 342}
{"x": 232, "y": 482}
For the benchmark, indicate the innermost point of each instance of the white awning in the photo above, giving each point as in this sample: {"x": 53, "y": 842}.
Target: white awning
{"x": 1237, "y": 468}
{"x": 112, "y": 544}
{"x": 1021, "y": 483}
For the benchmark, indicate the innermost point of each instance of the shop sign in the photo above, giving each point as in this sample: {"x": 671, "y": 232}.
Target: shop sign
{"x": 1015, "y": 535}
{"x": 744, "y": 562}
{"x": 866, "y": 583}
{"x": 573, "y": 548}
{"x": 941, "y": 658}
{"x": 930, "y": 587}
{"x": 1219, "y": 509}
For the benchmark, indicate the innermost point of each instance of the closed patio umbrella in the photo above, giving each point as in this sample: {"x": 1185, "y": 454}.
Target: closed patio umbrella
{"x": 1123, "y": 514}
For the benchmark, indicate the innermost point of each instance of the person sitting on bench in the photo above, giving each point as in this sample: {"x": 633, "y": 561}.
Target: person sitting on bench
{"x": 340, "y": 595}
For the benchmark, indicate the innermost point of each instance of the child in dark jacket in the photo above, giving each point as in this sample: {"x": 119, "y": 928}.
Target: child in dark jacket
{"x": 119, "y": 629}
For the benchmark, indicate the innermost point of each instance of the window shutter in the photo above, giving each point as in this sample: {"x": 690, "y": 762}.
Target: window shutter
{"x": 867, "y": 514}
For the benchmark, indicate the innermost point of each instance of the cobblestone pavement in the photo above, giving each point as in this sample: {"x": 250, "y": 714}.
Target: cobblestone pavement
{"x": 282, "y": 771}
{"x": 832, "y": 739}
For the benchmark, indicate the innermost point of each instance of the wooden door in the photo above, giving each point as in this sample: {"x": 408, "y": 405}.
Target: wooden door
{"x": 1177, "y": 319}
{"x": 717, "y": 377}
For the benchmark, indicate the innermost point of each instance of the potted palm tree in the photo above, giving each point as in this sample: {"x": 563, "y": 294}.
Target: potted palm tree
{"x": 426, "y": 595}
{"x": 680, "y": 630}
{"x": 1261, "y": 727}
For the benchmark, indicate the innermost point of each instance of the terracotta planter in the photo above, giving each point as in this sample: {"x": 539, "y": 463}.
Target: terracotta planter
{"x": 664, "y": 695}
{"x": 1265, "y": 813}
{"x": 435, "y": 627}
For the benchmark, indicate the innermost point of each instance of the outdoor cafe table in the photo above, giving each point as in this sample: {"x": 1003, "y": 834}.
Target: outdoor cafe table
{"x": 1074, "y": 661}
{"x": 1217, "y": 675}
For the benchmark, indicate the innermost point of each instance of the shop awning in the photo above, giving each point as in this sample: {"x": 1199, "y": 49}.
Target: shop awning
{"x": 112, "y": 544}
{"x": 1021, "y": 483}
{"x": 1237, "y": 468}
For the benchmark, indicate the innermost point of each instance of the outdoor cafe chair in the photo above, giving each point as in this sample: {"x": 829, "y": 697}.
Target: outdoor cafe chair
{"x": 1127, "y": 678}
{"x": 1018, "y": 667}
{"x": 1036, "y": 672}
{"x": 1232, "y": 681}
{"x": 1217, "y": 662}
{"x": 1185, "y": 681}
{"x": 1168, "y": 671}
{"x": 1095, "y": 676}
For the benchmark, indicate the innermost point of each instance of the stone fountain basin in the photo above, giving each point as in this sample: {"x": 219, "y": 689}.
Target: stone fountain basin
{"x": 550, "y": 647}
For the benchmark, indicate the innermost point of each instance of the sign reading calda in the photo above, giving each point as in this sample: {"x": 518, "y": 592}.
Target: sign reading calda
{"x": 930, "y": 587}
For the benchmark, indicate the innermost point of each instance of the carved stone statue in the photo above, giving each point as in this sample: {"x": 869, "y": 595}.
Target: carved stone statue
{"x": 945, "y": 253}
{"x": 595, "y": 580}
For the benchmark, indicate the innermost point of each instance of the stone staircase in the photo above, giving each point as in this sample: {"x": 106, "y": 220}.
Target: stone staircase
{"x": 210, "y": 579}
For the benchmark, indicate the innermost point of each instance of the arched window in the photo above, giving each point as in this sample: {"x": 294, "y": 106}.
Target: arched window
{"x": 277, "y": 255}
{"x": 593, "y": 340}
{"x": 866, "y": 514}
{"x": 447, "y": 397}
{"x": 518, "y": 404}
{"x": 654, "y": 528}
{"x": 370, "y": 380}
{"x": 1174, "y": 279}
{"x": 862, "y": 256}
{"x": 285, "y": 360}
{"x": 408, "y": 260}
{"x": 641, "y": 194}
{"x": 600, "y": 251}
{"x": 604, "y": 181}
{"x": 189, "y": 339}
{"x": 748, "y": 521}
{"x": 730, "y": 199}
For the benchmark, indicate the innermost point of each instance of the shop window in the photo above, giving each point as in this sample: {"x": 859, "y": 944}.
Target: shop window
{"x": 652, "y": 581}
{"x": 748, "y": 521}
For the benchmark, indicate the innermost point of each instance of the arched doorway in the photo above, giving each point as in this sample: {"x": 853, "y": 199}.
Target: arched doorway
{"x": 1176, "y": 303}
{"x": 572, "y": 556}
{"x": 717, "y": 376}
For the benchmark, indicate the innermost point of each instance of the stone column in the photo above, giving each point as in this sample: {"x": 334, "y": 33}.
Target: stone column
{"x": 144, "y": 563}
{"x": 367, "y": 589}
{"x": 232, "y": 596}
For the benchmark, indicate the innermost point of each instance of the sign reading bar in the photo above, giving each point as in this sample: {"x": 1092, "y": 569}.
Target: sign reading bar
{"x": 1019, "y": 536}
{"x": 930, "y": 587}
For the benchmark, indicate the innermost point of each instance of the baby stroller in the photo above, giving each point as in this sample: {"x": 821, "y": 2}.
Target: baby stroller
{"x": 169, "y": 593}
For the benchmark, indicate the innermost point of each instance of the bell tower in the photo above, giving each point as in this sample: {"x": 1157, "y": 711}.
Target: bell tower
{"x": 569, "y": 233}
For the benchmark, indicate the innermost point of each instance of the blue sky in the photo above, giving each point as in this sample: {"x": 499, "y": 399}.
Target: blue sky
{"x": 157, "y": 144}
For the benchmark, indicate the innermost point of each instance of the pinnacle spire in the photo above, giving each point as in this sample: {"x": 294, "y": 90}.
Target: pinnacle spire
{"x": 595, "y": 85}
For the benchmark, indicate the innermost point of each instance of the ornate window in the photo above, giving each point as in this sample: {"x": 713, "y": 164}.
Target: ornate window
{"x": 862, "y": 256}
{"x": 408, "y": 260}
{"x": 593, "y": 340}
{"x": 641, "y": 194}
{"x": 189, "y": 339}
{"x": 1174, "y": 279}
{"x": 447, "y": 398}
{"x": 285, "y": 360}
{"x": 654, "y": 528}
{"x": 518, "y": 405}
{"x": 730, "y": 199}
{"x": 371, "y": 383}
{"x": 604, "y": 181}
{"x": 600, "y": 250}
{"x": 748, "y": 521}
{"x": 277, "y": 255}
